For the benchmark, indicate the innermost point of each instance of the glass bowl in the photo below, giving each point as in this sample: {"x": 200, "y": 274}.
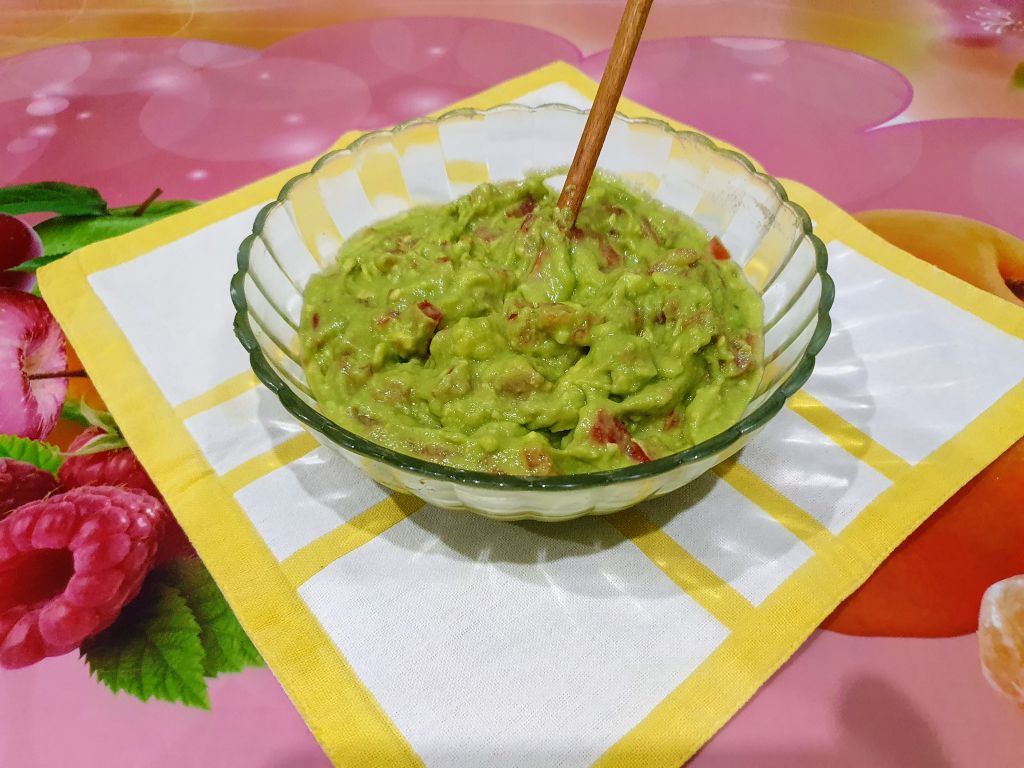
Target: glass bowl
{"x": 434, "y": 160}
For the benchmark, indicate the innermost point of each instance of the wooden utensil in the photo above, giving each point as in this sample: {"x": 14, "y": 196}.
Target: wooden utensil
{"x": 627, "y": 38}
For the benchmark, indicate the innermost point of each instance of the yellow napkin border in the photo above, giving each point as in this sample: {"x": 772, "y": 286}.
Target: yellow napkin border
{"x": 342, "y": 714}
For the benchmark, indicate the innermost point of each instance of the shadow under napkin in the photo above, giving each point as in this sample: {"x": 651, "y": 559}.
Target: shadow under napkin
{"x": 878, "y": 726}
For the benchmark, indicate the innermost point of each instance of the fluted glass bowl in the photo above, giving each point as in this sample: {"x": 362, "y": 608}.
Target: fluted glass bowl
{"x": 432, "y": 161}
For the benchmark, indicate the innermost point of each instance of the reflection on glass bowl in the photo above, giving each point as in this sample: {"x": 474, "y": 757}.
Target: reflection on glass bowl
{"x": 430, "y": 161}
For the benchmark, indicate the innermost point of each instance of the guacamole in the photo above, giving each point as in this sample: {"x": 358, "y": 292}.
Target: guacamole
{"x": 488, "y": 335}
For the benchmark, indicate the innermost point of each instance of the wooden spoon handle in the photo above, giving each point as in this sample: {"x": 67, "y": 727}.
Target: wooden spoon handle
{"x": 627, "y": 38}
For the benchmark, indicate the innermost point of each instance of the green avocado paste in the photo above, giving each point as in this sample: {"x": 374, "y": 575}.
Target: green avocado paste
{"x": 486, "y": 334}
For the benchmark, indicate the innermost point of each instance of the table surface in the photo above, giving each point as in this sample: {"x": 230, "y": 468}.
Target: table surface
{"x": 913, "y": 106}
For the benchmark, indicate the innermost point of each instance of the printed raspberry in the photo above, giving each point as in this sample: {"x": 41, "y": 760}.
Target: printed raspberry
{"x": 20, "y": 483}
{"x": 69, "y": 564}
{"x": 175, "y": 544}
{"x": 116, "y": 467}
{"x": 120, "y": 467}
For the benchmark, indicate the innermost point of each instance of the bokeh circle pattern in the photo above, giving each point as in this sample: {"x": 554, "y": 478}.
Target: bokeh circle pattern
{"x": 282, "y": 110}
{"x": 800, "y": 108}
{"x": 199, "y": 119}
{"x": 834, "y": 120}
{"x": 421, "y": 64}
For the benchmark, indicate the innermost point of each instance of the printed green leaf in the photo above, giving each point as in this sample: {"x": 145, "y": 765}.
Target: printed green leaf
{"x": 101, "y": 444}
{"x": 72, "y": 411}
{"x": 228, "y": 648}
{"x": 1017, "y": 79}
{"x": 158, "y": 208}
{"x": 63, "y": 234}
{"x": 51, "y": 197}
{"x": 33, "y": 264}
{"x": 39, "y": 454}
{"x": 153, "y": 650}
{"x": 82, "y": 413}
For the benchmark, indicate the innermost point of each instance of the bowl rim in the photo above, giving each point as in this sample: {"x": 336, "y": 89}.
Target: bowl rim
{"x": 350, "y": 441}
